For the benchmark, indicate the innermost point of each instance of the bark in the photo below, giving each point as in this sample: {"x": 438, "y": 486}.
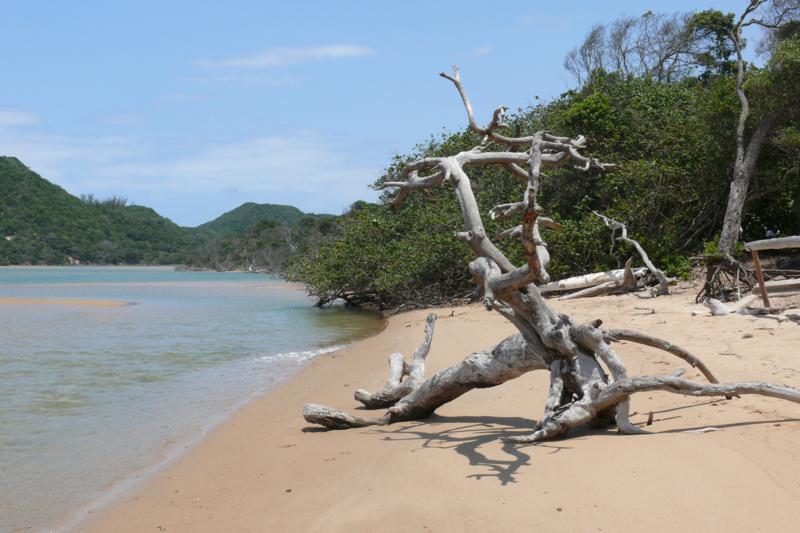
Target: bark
{"x": 743, "y": 172}
{"x": 589, "y": 382}
{"x": 744, "y": 166}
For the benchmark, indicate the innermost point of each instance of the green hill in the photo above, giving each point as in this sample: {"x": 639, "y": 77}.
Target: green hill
{"x": 241, "y": 219}
{"x": 41, "y": 223}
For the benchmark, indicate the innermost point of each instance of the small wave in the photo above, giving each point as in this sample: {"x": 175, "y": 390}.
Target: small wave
{"x": 302, "y": 356}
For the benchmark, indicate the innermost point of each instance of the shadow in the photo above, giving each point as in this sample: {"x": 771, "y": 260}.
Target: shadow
{"x": 733, "y": 425}
{"x": 467, "y": 435}
{"x": 315, "y": 429}
{"x": 682, "y": 407}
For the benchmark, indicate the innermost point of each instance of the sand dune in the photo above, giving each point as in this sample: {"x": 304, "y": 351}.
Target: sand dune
{"x": 267, "y": 470}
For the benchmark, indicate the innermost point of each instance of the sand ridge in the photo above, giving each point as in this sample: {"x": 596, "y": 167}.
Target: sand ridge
{"x": 62, "y": 301}
{"x": 267, "y": 470}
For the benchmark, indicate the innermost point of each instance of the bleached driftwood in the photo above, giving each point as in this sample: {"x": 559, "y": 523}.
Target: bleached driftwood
{"x": 588, "y": 380}
{"x": 414, "y": 372}
{"x": 589, "y": 280}
{"x": 628, "y": 283}
{"x": 614, "y": 226}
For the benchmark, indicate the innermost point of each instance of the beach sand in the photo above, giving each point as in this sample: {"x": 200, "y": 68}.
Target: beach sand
{"x": 62, "y": 301}
{"x": 266, "y": 469}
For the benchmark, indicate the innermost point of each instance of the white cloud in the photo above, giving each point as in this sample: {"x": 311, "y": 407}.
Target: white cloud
{"x": 300, "y": 163}
{"x": 482, "y": 51}
{"x": 10, "y": 117}
{"x": 279, "y": 57}
{"x": 302, "y": 168}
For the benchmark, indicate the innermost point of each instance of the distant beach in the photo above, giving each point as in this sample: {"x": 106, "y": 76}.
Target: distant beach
{"x": 62, "y": 301}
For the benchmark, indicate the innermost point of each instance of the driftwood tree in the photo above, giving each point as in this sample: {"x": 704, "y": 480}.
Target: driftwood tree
{"x": 589, "y": 383}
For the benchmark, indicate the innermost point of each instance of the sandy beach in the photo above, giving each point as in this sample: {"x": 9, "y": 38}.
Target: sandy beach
{"x": 266, "y": 469}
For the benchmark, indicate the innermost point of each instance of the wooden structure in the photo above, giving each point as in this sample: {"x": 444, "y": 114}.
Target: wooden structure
{"x": 754, "y": 247}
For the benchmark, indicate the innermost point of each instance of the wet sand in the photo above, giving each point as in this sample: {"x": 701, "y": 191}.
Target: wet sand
{"x": 266, "y": 469}
{"x": 62, "y": 301}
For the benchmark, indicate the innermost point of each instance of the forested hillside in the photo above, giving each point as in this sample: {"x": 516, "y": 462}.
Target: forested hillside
{"x": 668, "y": 123}
{"x": 42, "y": 224}
{"x": 241, "y": 219}
{"x": 258, "y": 237}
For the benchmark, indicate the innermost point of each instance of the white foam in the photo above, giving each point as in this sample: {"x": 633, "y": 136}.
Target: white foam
{"x": 304, "y": 355}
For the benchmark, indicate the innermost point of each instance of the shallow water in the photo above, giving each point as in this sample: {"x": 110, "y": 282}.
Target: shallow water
{"x": 89, "y": 394}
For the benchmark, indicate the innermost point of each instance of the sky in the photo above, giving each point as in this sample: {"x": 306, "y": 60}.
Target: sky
{"x": 194, "y": 107}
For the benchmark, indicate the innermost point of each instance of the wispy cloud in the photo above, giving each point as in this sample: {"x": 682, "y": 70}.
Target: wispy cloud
{"x": 10, "y": 117}
{"x": 482, "y": 51}
{"x": 279, "y": 57}
{"x": 302, "y": 168}
{"x": 299, "y": 163}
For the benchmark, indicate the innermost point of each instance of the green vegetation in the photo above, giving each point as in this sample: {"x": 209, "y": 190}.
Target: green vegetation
{"x": 242, "y": 218}
{"x": 673, "y": 141}
{"x": 41, "y": 223}
{"x": 265, "y": 245}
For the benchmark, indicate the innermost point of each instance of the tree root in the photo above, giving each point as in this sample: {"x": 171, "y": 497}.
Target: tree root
{"x": 726, "y": 280}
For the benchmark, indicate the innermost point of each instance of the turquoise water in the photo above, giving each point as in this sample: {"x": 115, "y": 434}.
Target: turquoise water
{"x": 90, "y": 394}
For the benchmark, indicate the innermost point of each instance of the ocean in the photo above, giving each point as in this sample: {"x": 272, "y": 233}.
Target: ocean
{"x": 107, "y": 371}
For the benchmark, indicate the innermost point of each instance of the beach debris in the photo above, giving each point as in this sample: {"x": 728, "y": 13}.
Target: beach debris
{"x": 589, "y": 382}
{"x": 588, "y": 280}
{"x": 703, "y": 430}
{"x": 716, "y": 307}
{"x": 615, "y": 226}
{"x": 650, "y": 419}
{"x": 628, "y": 283}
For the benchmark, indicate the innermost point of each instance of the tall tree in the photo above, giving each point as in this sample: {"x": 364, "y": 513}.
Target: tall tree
{"x": 775, "y": 15}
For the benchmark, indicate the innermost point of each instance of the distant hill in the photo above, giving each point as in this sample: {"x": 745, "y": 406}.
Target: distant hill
{"x": 239, "y": 220}
{"x": 41, "y": 223}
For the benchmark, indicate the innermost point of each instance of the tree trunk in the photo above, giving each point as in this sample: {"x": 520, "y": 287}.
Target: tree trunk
{"x": 743, "y": 172}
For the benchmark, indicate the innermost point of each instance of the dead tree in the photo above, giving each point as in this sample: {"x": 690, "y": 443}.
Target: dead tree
{"x": 589, "y": 383}
{"x": 614, "y": 226}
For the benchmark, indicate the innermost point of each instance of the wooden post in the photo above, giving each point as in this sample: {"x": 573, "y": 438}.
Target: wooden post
{"x": 760, "y": 278}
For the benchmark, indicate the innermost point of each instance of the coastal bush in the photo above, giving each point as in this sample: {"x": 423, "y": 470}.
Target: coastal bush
{"x": 673, "y": 149}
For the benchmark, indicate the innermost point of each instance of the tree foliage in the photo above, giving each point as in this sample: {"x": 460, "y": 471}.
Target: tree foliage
{"x": 670, "y": 136}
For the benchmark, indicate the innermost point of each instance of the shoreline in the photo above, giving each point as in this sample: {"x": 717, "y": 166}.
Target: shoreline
{"x": 264, "y": 468}
{"x": 173, "y": 451}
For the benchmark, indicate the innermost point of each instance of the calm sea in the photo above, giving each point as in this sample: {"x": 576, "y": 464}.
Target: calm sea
{"x": 91, "y": 393}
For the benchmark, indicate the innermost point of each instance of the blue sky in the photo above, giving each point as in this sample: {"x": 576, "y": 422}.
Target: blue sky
{"x": 194, "y": 107}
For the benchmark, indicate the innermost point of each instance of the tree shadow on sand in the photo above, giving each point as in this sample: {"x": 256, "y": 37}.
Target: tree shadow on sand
{"x": 471, "y": 436}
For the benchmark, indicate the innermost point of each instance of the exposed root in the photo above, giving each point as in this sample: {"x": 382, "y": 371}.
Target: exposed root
{"x": 726, "y": 280}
